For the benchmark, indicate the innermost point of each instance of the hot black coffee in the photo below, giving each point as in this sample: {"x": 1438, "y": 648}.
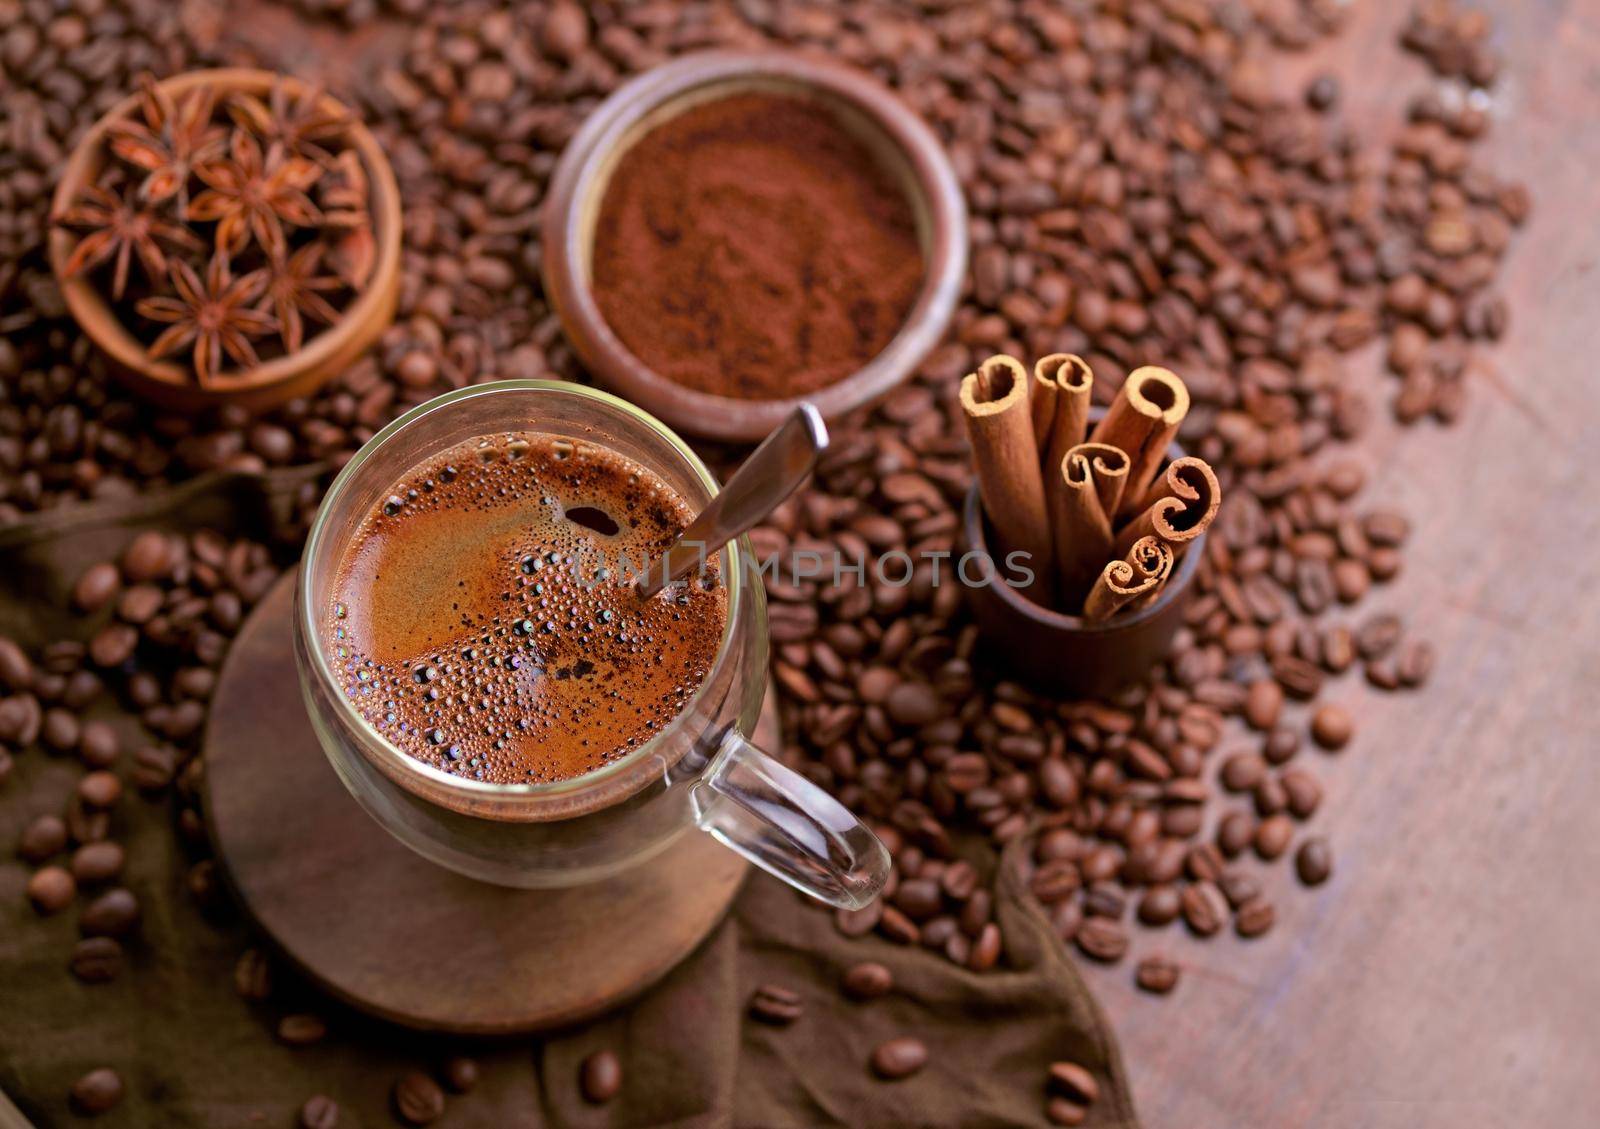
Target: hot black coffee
{"x": 484, "y": 619}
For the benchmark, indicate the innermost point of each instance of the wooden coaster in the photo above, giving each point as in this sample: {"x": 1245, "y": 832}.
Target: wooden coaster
{"x": 389, "y": 932}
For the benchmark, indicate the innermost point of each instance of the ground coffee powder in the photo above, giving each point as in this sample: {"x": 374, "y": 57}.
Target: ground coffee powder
{"x": 752, "y": 247}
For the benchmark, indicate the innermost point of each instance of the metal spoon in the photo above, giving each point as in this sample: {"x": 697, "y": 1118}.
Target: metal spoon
{"x": 775, "y": 470}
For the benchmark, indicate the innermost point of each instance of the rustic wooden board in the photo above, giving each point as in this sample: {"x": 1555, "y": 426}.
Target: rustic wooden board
{"x": 1446, "y": 975}
{"x": 389, "y": 932}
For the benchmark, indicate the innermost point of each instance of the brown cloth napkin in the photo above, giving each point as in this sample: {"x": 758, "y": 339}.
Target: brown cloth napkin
{"x": 192, "y": 1053}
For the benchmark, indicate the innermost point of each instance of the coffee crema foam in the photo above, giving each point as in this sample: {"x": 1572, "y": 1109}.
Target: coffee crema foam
{"x": 482, "y": 622}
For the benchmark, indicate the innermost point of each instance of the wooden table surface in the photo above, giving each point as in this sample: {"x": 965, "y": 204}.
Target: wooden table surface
{"x": 1449, "y": 974}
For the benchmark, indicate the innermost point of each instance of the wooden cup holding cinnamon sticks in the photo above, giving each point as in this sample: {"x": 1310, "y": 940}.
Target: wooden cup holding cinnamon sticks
{"x": 1069, "y": 655}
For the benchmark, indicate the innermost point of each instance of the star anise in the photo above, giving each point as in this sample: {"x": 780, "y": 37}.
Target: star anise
{"x": 297, "y": 123}
{"x": 214, "y": 315}
{"x": 116, "y": 227}
{"x": 295, "y": 293}
{"x": 172, "y": 140}
{"x": 249, "y": 194}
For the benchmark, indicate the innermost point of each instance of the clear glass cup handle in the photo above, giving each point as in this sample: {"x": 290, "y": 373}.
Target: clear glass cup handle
{"x": 788, "y": 826}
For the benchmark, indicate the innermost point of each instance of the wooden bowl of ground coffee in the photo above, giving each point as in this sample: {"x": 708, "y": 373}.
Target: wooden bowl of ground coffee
{"x": 734, "y": 232}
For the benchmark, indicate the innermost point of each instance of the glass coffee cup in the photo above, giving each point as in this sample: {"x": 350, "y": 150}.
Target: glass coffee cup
{"x": 699, "y": 771}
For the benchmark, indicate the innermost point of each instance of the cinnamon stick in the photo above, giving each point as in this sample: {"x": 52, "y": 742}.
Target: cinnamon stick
{"x": 1177, "y": 508}
{"x": 995, "y": 401}
{"x": 1091, "y": 478}
{"x": 1142, "y": 420}
{"x": 1062, "y": 384}
{"x": 1132, "y": 580}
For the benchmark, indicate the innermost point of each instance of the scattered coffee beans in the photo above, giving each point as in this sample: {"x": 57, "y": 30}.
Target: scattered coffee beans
{"x": 418, "y": 1100}
{"x": 460, "y": 1073}
{"x": 319, "y": 1112}
{"x": 1156, "y": 974}
{"x": 868, "y": 980}
{"x": 301, "y": 1030}
{"x": 899, "y": 1058}
{"x": 51, "y": 890}
{"x": 1313, "y": 862}
{"x": 777, "y": 1005}
{"x": 600, "y": 1077}
{"x": 97, "y": 1091}
{"x": 96, "y": 960}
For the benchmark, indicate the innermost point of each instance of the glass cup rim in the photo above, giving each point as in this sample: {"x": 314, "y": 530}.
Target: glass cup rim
{"x": 395, "y": 762}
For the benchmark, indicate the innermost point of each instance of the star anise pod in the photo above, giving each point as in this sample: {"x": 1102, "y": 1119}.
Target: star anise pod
{"x": 213, "y": 314}
{"x": 249, "y": 194}
{"x": 117, "y": 228}
{"x": 172, "y": 140}
{"x": 295, "y": 293}
{"x": 296, "y": 122}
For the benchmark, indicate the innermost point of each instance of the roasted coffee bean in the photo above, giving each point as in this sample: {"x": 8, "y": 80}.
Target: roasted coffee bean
{"x": 418, "y": 1100}
{"x": 94, "y": 863}
{"x": 1271, "y": 797}
{"x": 1263, "y": 704}
{"x": 113, "y": 645}
{"x": 43, "y": 838}
{"x": 149, "y": 556}
{"x": 1157, "y": 974}
{"x": 1074, "y": 1081}
{"x": 20, "y": 720}
{"x": 777, "y": 1005}
{"x": 918, "y": 898}
{"x": 51, "y": 890}
{"x": 1377, "y": 635}
{"x": 252, "y": 975}
{"x": 1160, "y": 905}
{"x": 319, "y": 1112}
{"x": 1383, "y": 673}
{"x": 1102, "y": 938}
{"x": 1239, "y": 887}
{"x": 98, "y": 745}
{"x": 899, "y": 1058}
{"x": 97, "y": 1091}
{"x": 1274, "y": 836}
{"x": 1254, "y": 918}
{"x": 96, "y": 960}
{"x": 867, "y": 980}
{"x": 600, "y": 1077}
{"x": 114, "y": 913}
{"x": 100, "y": 789}
{"x": 1303, "y": 792}
{"x": 1204, "y": 908}
{"x": 60, "y": 730}
{"x": 1414, "y": 662}
{"x": 153, "y": 768}
{"x": 1235, "y": 832}
{"x": 16, "y": 671}
{"x": 1065, "y": 1111}
{"x": 301, "y": 1029}
{"x": 459, "y": 1073}
{"x": 985, "y": 951}
{"x": 1243, "y": 771}
{"x": 1332, "y": 727}
{"x": 1281, "y": 746}
{"x": 1313, "y": 862}
{"x": 96, "y": 587}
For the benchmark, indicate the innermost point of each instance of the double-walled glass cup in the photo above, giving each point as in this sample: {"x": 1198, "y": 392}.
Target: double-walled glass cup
{"x": 700, "y": 771}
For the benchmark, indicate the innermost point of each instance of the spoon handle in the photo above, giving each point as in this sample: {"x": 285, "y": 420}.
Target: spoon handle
{"x": 775, "y": 470}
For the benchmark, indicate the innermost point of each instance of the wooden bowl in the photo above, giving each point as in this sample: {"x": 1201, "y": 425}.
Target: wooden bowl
{"x": 1066, "y": 654}
{"x": 282, "y": 378}
{"x": 869, "y": 110}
